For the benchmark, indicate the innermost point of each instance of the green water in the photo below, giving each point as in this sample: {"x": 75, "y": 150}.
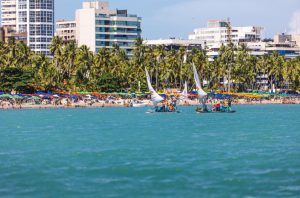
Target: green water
{"x": 122, "y": 152}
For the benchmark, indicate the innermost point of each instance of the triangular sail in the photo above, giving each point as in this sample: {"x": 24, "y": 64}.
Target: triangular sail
{"x": 155, "y": 97}
{"x": 184, "y": 94}
{"x": 201, "y": 93}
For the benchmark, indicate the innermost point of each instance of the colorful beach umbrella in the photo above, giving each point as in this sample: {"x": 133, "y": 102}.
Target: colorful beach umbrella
{"x": 35, "y": 98}
{"x": 16, "y": 97}
{"x": 6, "y": 96}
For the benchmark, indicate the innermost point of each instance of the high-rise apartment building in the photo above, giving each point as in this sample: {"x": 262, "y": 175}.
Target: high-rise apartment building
{"x": 36, "y": 17}
{"x": 8, "y": 13}
{"x": 216, "y": 33}
{"x": 66, "y": 30}
{"x": 97, "y": 27}
{"x": 33, "y": 18}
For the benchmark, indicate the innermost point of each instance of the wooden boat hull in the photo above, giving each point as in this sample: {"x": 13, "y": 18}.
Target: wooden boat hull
{"x": 153, "y": 111}
{"x": 200, "y": 111}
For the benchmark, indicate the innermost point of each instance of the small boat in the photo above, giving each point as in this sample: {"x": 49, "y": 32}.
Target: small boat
{"x": 227, "y": 110}
{"x": 157, "y": 99}
{"x": 155, "y": 110}
{"x": 139, "y": 104}
{"x": 203, "y": 95}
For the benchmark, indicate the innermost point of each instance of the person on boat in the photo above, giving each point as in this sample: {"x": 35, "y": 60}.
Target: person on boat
{"x": 222, "y": 106}
{"x": 229, "y": 105}
{"x": 173, "y": 103}
{"x": 206, "y": 108}
{"x": 218, "y": 106}
{"x": 164, "y": 107}
{"x": 225, "y": 105}
{"x": 213, "y": 105}
{"x": 171, "y": 107}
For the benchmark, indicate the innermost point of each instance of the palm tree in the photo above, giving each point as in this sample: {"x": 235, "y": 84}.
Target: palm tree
{"x": 182, "y": 56}
{"x": 159, "y": 53}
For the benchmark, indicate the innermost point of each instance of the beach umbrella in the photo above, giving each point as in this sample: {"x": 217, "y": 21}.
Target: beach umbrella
{"x": 16, "y": 97}
{"x": 35, "y": 98}
{"x": 6, "y": 96}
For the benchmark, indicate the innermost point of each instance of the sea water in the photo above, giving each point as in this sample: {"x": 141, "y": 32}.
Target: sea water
{"x": 124, "y": 152}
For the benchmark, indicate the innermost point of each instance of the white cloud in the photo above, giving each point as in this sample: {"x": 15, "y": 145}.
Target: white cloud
{"x": 295, "y": 23}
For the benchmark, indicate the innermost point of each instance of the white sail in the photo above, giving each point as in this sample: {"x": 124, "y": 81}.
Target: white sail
{"x": 201, "y": 93}
{"x": 184, "y": 94}
{"x": 155, "y": 97}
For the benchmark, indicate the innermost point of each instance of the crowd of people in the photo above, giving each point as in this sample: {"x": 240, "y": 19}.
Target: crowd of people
{"x": 115, "y": 100}
{"x": 168, "y": 105}
{"x": 222, "y": 105}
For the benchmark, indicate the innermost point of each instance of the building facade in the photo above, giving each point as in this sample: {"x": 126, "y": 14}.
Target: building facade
{"x": 8, "y": 13}
{"x": 66, "y": 30}
{"x": 36, "y": 18}
{"x": 97, "y": 27}
{"x": 216, "y": 33}
{"x": 7, "y": 33}
{"x": 291, "y": 39}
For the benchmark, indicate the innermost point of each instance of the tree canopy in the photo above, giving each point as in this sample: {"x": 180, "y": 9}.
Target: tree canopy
{"x": 75, "y": 68}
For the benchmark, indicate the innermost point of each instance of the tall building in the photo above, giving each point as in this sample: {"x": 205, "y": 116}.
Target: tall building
{"x": 36, "y": 17}
{"x": 97, "y": 27}
{"x": 66, "y": 30}
{"x": 216, "y": 33}
{"x": 8, "y": 13}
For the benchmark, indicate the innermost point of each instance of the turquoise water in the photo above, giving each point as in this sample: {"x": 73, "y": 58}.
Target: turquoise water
{"x": 122, "y": 152}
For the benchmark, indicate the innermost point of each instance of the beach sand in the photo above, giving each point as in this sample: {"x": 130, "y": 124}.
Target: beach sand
{"x": 124, "y": 103}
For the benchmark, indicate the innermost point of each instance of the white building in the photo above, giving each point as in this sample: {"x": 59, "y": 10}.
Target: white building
{"x": 216, "y": 34}
{"x": 33, "y": 17}
{"x": 98, "y": 27}
{"x": 8, "y": 13}
{"x": 66, "y": 30}
{"x": 36, "y": 18}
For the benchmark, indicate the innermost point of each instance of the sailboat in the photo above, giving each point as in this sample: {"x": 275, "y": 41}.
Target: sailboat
{"x": 202, "y": 95}
{"x": 155, "y": 97}
{"x": 184, "y": 94}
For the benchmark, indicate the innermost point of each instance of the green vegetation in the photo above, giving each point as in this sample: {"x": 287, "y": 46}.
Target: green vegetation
{"x": 77, "y": 69}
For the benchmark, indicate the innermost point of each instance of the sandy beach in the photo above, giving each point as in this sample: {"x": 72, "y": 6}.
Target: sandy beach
{"x": 126, "y": 102}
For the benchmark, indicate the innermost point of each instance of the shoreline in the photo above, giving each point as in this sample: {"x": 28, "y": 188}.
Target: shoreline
{"x": 122, "y": 105}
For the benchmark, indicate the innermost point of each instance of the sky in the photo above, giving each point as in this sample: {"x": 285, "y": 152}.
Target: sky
{"x": 178, "y": 18}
